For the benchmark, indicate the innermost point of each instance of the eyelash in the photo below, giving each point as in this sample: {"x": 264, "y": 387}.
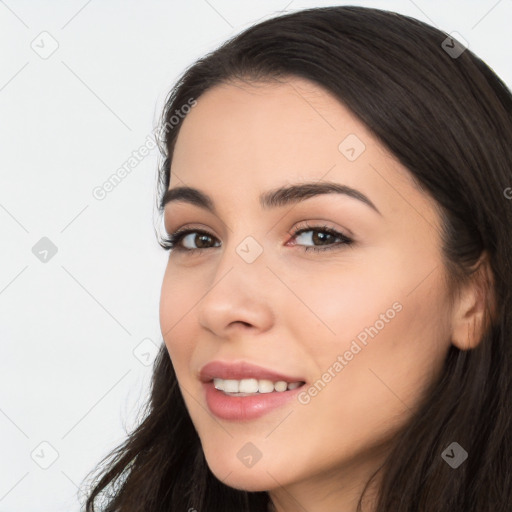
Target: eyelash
{"x": 170, "y": 242}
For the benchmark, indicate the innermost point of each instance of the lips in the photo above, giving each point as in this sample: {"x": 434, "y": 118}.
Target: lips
{"x": 245, "y": 406}
{"x": 243, "y": 370}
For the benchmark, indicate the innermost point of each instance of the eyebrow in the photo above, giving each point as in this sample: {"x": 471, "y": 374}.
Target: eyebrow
{"x": 278, "y": 197}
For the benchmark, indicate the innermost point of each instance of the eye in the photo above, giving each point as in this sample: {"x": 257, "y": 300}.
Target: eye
{"x": 323, "y": 235}
{"x": 322, "y": 238}
{"x": 176, "y": 240}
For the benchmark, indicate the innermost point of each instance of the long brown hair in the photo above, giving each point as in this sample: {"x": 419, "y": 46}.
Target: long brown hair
{"x": 448, "y": 118}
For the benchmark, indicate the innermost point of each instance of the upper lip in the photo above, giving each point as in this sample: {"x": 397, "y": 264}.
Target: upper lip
{"x": 242, "y": 370}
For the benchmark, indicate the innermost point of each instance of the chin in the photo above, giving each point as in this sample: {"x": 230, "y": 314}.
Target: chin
{"x": 236, "y": 475}
{"x": 247, "y": 481}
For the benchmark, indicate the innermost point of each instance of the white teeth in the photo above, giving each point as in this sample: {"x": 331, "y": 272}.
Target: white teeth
{"x": 265, "y": 386}
{"x": 248, "y": 386}
{"x": 219, "y": 384}
{"x": 231, "y": 386}
{"x": 251, "y": 386}
{"x": 280, "y": 385}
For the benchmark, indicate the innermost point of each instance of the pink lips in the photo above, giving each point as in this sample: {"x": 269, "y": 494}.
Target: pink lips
{"x": 243, "y": 408}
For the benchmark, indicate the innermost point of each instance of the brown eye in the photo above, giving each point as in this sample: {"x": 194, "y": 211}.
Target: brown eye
{"x": 321, "y": 236}
{"x": 176, "y": 240}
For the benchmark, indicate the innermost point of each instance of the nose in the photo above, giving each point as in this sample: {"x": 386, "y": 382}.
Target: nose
{"x": 238, "y": 298}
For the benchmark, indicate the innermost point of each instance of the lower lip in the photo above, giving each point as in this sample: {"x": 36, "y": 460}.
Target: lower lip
{"x": 240, "y": 408}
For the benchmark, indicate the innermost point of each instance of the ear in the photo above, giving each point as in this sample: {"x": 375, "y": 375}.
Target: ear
{"x": 475, "y": 307}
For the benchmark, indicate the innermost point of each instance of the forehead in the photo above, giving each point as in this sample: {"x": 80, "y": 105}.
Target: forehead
{"x": 251, "y": 137}
{"x": 239, "y": 120}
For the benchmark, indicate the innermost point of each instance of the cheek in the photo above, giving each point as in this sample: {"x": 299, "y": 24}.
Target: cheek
{"x": 359, "y": 400}
{"x": 177, "y": 299}
{"x": 377, "y": 339}
{"x": 181, "y": 290}
{"x": 338, "y": 303}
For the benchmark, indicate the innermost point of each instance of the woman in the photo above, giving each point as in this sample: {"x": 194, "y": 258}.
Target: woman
{"x": 336, "y": 308}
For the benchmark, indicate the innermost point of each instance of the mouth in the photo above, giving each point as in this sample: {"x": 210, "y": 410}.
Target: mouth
{"x": 242, "y": 391}
{"x": 250, "y": 386}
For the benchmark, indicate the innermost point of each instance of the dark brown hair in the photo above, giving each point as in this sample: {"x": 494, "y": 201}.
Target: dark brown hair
{"x": 447, "y": 118}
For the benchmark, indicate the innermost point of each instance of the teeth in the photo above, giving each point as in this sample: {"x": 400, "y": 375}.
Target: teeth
{"x": 248, "y": 386}
{"x": 231, "y": 386}
{"x": 265, "y": 386}
{"x": 251, "y": 386}
{"x": 280, "y": 385}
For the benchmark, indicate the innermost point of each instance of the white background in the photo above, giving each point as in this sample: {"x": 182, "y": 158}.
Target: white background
{"x": 69, "y": 327}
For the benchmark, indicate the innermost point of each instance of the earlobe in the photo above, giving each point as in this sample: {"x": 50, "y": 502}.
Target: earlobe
{"x": 476, "y": 307}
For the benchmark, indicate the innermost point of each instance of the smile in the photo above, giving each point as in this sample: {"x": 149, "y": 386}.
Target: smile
{"x": 248, "y": 387}
{"x": 241, "y": 391}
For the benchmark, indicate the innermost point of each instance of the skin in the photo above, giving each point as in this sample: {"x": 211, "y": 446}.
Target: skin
{"x": 295, "y": 311}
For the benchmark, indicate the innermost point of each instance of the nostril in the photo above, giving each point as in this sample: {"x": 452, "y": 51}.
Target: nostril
{"x": 245, "y": 324}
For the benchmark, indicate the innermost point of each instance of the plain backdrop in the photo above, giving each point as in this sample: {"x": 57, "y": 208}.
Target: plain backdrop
{"x": 82, "y": 84}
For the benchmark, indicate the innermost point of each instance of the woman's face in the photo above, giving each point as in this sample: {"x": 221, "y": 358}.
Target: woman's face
{"x": 364, "y": 325}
